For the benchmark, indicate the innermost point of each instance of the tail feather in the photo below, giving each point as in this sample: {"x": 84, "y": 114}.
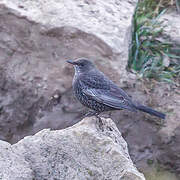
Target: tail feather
{"x": 151, "y": 111}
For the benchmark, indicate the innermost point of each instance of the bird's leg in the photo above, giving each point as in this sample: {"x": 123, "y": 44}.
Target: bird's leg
{"x": 95, "y": 113}
{"x": 91, "y": 113}
{"x": 99, "y": 122}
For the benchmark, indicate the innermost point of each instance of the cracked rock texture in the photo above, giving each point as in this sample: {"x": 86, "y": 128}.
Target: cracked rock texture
{"x": 87, "y": 150}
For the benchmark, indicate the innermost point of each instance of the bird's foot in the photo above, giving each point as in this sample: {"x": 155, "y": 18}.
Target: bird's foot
{"x": 99, "y": 121}
{"x": 96, "y": 114}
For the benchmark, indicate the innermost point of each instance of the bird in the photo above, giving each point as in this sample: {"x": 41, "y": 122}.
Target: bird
{"x": 97, "y": 92}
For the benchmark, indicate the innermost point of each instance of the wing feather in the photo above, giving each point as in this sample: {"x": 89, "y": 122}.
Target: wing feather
{"x": 109, "y": 98}
{"x": 103, "y": 90}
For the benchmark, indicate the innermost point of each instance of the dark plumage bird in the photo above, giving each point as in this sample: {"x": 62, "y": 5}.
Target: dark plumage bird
{"x": 96, "y": 91}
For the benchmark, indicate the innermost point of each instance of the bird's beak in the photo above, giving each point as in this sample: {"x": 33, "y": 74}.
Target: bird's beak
{"x": 72, "y": 62}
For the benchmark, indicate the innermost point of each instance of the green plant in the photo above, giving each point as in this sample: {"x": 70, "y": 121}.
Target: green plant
{"x": 150, "y": 55}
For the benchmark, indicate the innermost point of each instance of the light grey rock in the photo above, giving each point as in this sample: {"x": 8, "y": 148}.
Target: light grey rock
{"x": 12, "y": 165}
{"x": 37, "y": 37}
{"x": 87, "y": 150}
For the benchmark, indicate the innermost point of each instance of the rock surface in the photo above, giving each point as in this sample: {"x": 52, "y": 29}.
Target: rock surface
{"x": 171, "y": 24}
{"x": 87, "y": 150}
{"x": 36, "y": 37}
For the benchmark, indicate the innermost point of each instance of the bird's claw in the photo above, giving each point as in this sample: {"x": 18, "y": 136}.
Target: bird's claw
{"x": 96, "y": 114}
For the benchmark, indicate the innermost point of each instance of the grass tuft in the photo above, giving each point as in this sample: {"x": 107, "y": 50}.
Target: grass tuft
{"x": 151, "y": 56}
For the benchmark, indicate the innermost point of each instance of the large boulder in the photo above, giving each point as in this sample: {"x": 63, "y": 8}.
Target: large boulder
{"x": 36, "y": 39}
{"x": 91, "y": 149}
{"x": 38, "y": 36}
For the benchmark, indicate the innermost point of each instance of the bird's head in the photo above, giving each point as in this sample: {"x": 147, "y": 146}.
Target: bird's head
{"x": 82, "y": 65}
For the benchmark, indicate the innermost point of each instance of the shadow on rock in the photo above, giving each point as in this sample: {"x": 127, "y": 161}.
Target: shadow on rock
{"x": 24, "y": 112}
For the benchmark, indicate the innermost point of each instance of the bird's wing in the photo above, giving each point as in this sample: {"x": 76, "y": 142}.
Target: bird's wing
{"x": 95, "y": 79}
{"x": 110, "y": 98}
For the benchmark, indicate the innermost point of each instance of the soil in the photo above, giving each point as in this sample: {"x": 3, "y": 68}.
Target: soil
{"x": 23, "y": 112}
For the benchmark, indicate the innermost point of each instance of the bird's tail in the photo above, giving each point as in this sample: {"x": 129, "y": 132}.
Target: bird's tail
{"x": 150, "y": 111}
